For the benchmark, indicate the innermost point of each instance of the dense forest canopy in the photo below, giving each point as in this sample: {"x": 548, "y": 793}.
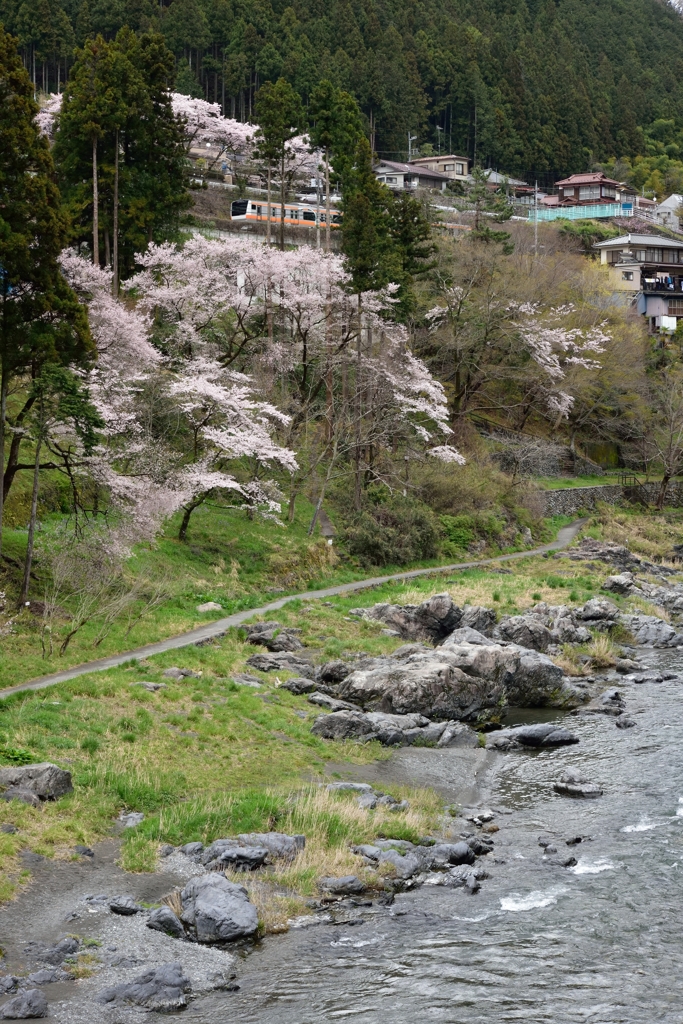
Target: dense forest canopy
{"x": 537, "y": 88}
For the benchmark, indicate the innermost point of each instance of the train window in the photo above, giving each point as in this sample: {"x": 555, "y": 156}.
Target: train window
{"x": 259, "y": 211}
{"x": 308, "y": 215}
{"x": 336, "y": 219}
{"x": 239, "y": 207}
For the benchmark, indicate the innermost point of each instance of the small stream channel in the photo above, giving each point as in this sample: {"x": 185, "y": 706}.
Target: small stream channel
{"x": 599, "y": 942}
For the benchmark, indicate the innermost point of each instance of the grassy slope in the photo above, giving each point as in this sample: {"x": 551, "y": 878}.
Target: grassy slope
{"x": 205, "y": 757}
{"x": 228, "y": 559}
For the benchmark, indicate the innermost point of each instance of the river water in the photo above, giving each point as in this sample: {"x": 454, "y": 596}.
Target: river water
{"x": 600, "y": 942}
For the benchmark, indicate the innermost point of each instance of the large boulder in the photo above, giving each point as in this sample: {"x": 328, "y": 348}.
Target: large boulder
{"x": 476, "y": 617}
{"x": 623, "y": 583}
{"x": 598, "y": 610}
{"x": 28, "y": 1005}
{"x": 278, "y": 844}
{"x": 164, "y": 920}
{"x": 575, "y": 783}
{"x": 217, "y": 910}
{"x": 162, "y": 989}
{"x": 46, "y": 780}
{"x": 427, "y": 683}
{"x": 457, "y": 681}
{"x": 542, "y": 734}
{"x": 649, "y": 631}
{"x": 467, "y": 635}
{"x": 274, "y": 636}
{"x": 343, "y": 725}
{"x": 434, "y": 619}
{"x": 526, "y": 631}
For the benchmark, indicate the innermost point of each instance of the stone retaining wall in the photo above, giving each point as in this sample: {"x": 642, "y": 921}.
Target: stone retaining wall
{"x": 578, "y": 499}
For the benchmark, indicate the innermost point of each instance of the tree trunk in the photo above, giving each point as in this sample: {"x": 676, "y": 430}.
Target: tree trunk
{"x": 269, "y": 207}
{"x": 31, "y": 528}
{"x": 115, "y": 254}
{"x": 357, "y": 490}
{"x": 188, "y": 510}
{"x": 282, "y": 203}
{"x": 327, "y": 200}
{"x": 95, "y": 208}
{"x": 664, "y": 486}
{"x": 3, "y": 414}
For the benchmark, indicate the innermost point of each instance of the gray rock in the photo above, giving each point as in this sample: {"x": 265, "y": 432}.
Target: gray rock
{"x": 331, "y": 703}
{"x": 46, "y": 780}
{"x": 279, "y": 845}
{"x": 210, "y": 606}
{"x": 166, "y": 850}
{"x": 565, "y": 631}
{"x": 624, "y": 665}
{"x": 574, "y": 783}
{"x": 598, "y": 608}
{"x": 543, "y": 734}
{"x": 164, "y": 920}
{"x": 274, "y": 636}
{"x": 218, "y": 910}
{"x": 181, "y": 673}
{"x": 367, "y": 850}
{"x": 230, "y": 853}
{"x": 28, "y": 1005}
{"x": 299, "y": 685}
{"x": 246, "y": 680}
{"x": 131, "y": 819}
{"x": 348, "y": 885}
{"x": 458, "y": 735}
{"x": 452, "y": 853}
{"x": 649, "y": 631}
{"x": 466, "y": 635}
{"x": 367, "y": 801}
{"x": 343, "y": 725}
{"x": 333, "y": 672}
{"x": 9, "y": 982}
{"x": 24, "y": 796}
{"x": 433, "y": 619}
{"x": 162, "y": 989}
{"x": 83, "y": 851}
{"x": 624, "y": 722}
{"x": 8, "y": 829}
{"x": 150, "y": 687}
{"x": 526, "y": 631}
{"x": 621, "y": 584}
{"x": 283, "y": 662}
{"x": 124, "y": 905}
{"x": 352, "y": 787}
{"x": 482, "y": 620}
{"x": 56, "y": 954}
{"x": 193, "y": 850}
{"x": 48, "y": 976}
{"x": 405, "y": 865}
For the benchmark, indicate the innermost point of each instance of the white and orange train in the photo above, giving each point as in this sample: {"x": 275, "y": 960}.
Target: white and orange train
{"x": 297, "y": 215}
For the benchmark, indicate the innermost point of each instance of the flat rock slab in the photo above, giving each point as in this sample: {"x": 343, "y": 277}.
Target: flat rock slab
{"x": 163, "y": 989}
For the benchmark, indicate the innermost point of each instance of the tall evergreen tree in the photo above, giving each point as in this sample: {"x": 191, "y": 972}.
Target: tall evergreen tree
{"x": 280, "y": 118}
{"x": 40, "y": 318}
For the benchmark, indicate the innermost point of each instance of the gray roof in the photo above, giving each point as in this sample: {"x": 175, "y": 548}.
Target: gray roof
{"x": 423, "y": 172}
{"x": 652, "y": 240}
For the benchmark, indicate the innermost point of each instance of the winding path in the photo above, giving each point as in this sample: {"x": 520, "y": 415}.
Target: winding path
{"x": 564, "y": 537}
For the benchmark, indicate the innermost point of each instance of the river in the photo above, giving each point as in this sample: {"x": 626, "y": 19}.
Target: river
{"x": 599, "y": 942}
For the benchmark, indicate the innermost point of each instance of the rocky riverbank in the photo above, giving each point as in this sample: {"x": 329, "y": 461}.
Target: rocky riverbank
{"x": 87, "y": 939}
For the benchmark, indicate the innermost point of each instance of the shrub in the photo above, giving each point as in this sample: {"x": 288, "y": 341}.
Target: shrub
{"x": 393, "y": 530}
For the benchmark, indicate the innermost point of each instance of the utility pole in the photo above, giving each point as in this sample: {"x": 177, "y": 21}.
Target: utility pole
{"x": 439, "y": 137}
{"x": 411, "y": 139}
{"x": 373, "y": 129}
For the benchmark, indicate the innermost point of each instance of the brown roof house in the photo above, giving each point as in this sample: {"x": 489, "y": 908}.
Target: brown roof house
{"x": 408, "y": 176}
{"x": 592, "y": 189}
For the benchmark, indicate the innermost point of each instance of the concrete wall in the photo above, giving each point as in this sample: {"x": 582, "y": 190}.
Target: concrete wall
{"x": 576, "y": 499}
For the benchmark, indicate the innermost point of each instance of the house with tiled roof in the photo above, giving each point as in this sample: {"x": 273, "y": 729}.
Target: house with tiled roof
{"x": 591, "y": 189}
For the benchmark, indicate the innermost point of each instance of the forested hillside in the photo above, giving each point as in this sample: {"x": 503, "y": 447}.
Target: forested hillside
{"x": 536, "y": 88}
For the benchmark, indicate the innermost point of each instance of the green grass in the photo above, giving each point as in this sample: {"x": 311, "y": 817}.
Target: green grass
{"x": 228, "y": 559}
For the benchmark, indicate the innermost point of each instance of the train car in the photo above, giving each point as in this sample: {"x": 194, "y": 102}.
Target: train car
{"x": 297, "y": 215}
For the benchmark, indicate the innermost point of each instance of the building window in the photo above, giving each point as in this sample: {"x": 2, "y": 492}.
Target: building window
{"x": 641, "y": 255}
{"x": 393, "y": 180}
{"x": 609, "y": 192}
{"x": 459, "y": 168}
{"x": 654, "y": 256}
{"x": 450, "y": 167}
{"x": 589, "y": 192}
{"x": 672, "y": 255}
{"x": 627, "y": 275}
{"x": 676, "y": 307}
